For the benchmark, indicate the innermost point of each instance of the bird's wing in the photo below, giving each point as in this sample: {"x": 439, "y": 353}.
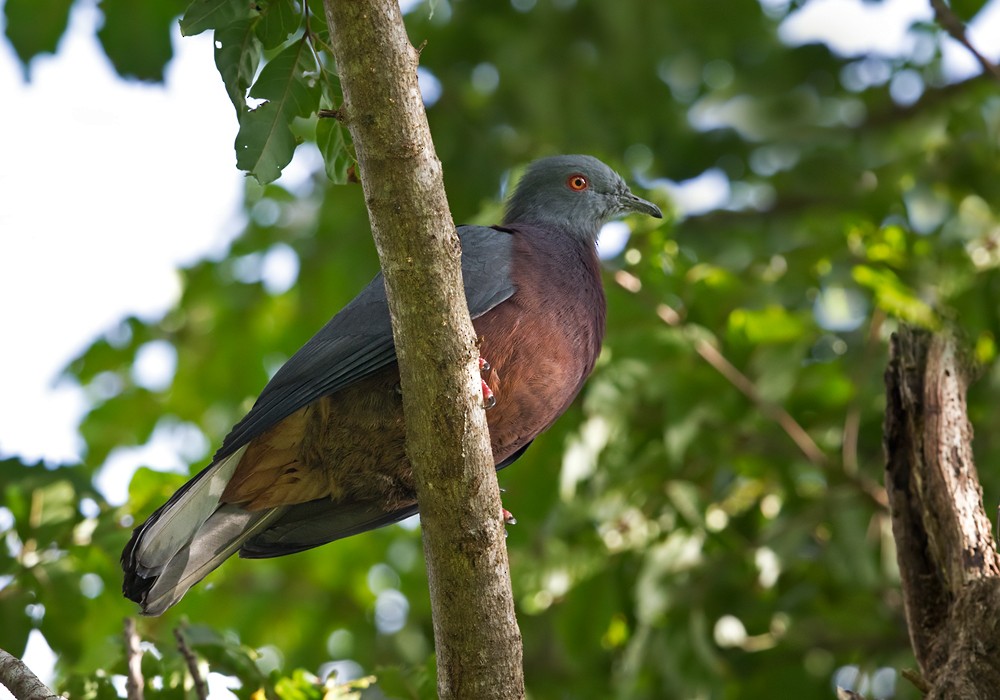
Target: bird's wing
{"x": 358, "y": 340}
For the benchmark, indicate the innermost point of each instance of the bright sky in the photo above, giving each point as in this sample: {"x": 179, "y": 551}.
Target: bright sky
{"x": 107, "y": 186}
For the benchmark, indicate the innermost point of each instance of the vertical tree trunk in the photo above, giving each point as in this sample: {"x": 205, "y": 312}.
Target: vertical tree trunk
{"x": 947, "y": 557}
{"x": 477, "y": 640}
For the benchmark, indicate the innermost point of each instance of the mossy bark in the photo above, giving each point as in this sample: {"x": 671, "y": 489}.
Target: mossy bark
{"x": 477, "y": 640}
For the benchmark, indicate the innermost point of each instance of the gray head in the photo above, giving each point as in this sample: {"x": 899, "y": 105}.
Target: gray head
{"x": 578, "y": 193}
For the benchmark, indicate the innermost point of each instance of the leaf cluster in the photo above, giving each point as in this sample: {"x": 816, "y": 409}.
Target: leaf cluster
{"x": 673, "y": 539}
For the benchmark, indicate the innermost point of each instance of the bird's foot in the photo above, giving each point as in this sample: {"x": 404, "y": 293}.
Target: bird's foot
{"x": 489, "y": 398}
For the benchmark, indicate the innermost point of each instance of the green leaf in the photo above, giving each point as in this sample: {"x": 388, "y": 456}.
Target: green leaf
{"x": 265, "y": 143}
{"x": 283, "y": 81}
{"x": 16, "y": 623}
{"x": 278, "y": 19}
{"x": 773, "y": 324}
{"x": 35, "y": 26}
{"x": 237, "y": 55}
{"x": 892, "y": 295}
{"x": 213, "y": 14}
{"x": 136, "y": 36}
{"x": 332, "y": 144}
{"x": 149, "y": 487}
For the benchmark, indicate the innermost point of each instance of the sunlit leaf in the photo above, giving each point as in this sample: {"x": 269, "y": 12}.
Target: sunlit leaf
{"x": 895, "y": 297}
{"x": 773, "y": 324}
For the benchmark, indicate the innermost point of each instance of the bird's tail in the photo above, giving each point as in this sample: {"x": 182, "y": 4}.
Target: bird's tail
{"x": 188, "y": 537}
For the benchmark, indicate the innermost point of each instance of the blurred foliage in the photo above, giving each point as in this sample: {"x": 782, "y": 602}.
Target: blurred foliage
{"x": 673, "y": 540}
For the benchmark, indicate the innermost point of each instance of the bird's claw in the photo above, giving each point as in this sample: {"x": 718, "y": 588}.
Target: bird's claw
{"x": 489, "y": 398}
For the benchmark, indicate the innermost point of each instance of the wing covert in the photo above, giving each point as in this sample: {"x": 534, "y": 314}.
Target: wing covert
{"x": 358, "y": 340}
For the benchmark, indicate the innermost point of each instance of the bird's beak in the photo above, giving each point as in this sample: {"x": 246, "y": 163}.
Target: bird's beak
{"x": 629, "y": 202}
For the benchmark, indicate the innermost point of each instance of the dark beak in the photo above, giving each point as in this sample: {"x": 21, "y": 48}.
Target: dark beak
{"x": 629, "y": 202}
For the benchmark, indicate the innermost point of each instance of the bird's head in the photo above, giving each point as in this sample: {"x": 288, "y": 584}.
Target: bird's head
{"x": 578, "y": 193}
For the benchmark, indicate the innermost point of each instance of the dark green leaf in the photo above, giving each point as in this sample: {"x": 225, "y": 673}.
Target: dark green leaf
{"x": 212, "y": 14}
{"x": 35, "y": 26}
{"x": 136, "y": 36}
{"x": 265, "y": 143}
{"x": 336, "y": 155}
{"x": 278, "y": 19}
{"x": 237, "y": 55}
{"x": 284, "y": 81}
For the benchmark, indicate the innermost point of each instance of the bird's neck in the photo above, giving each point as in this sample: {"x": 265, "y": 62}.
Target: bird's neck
{"x": 586, "y": 234}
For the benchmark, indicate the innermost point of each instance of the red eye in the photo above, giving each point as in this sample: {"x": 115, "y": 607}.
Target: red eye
{"x": 577, "y": 182}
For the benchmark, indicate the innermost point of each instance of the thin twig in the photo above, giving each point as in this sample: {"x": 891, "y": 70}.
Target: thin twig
{"x": 916, "y": 679}
{"x": 952, "y": 24}
{"x": 778, "y": 414}
{"x": 134, "y": 684}
{"x": 718, "y": 361}
{"x": 21, "y": 681}
{"x": 200, "y": 686}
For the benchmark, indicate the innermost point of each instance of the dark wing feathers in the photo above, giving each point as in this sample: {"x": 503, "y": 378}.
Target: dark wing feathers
{"x": 315, "y": 523}
{"x": 358, "y": 340}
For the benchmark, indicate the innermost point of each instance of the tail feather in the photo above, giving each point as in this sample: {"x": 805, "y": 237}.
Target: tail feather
{"x": 188, "y": 537}
{"x": 175, "y": 523}
{"x": 220, "y": 537}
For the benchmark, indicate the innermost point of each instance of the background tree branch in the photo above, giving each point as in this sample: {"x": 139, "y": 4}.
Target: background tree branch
{"x": 21, "y": 681}
{"x": 476, "y": 635}
{"x": 947, "y": 557}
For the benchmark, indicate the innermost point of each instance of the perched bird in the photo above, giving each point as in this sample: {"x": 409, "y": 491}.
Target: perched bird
{"x": 321, "y": 456}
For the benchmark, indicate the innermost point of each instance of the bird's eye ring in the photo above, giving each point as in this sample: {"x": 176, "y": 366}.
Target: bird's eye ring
{"x": 577, "y": 182}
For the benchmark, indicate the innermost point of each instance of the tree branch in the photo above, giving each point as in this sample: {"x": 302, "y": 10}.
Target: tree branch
{"x": 723, "y": 366}
{"x": 191, "y": 661}
{"x": 949, "y": 567}
{"x": 20, "y": 681}
{"x": 134, "y": 684}
{"x": 951, "y": 23}
{"x": 477, "y": 640}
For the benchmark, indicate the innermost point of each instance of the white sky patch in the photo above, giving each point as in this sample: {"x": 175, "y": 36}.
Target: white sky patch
{"x": 107, "y": 187}
{"x": 155, "y": 363}
{"x": 613, "y": 239}
{"x": 704, "y": 193}
{"x": 853, "y": 28}
{"x": 172, "y": 447}
{"x": 279, "y": 269}
{"x": 856, "y": 28}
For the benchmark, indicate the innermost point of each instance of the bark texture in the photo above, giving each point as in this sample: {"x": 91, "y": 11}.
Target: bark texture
{"x": 477, "y": 639}
{"x": 20, "y": 681}
{"x": 947, "y": 556}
